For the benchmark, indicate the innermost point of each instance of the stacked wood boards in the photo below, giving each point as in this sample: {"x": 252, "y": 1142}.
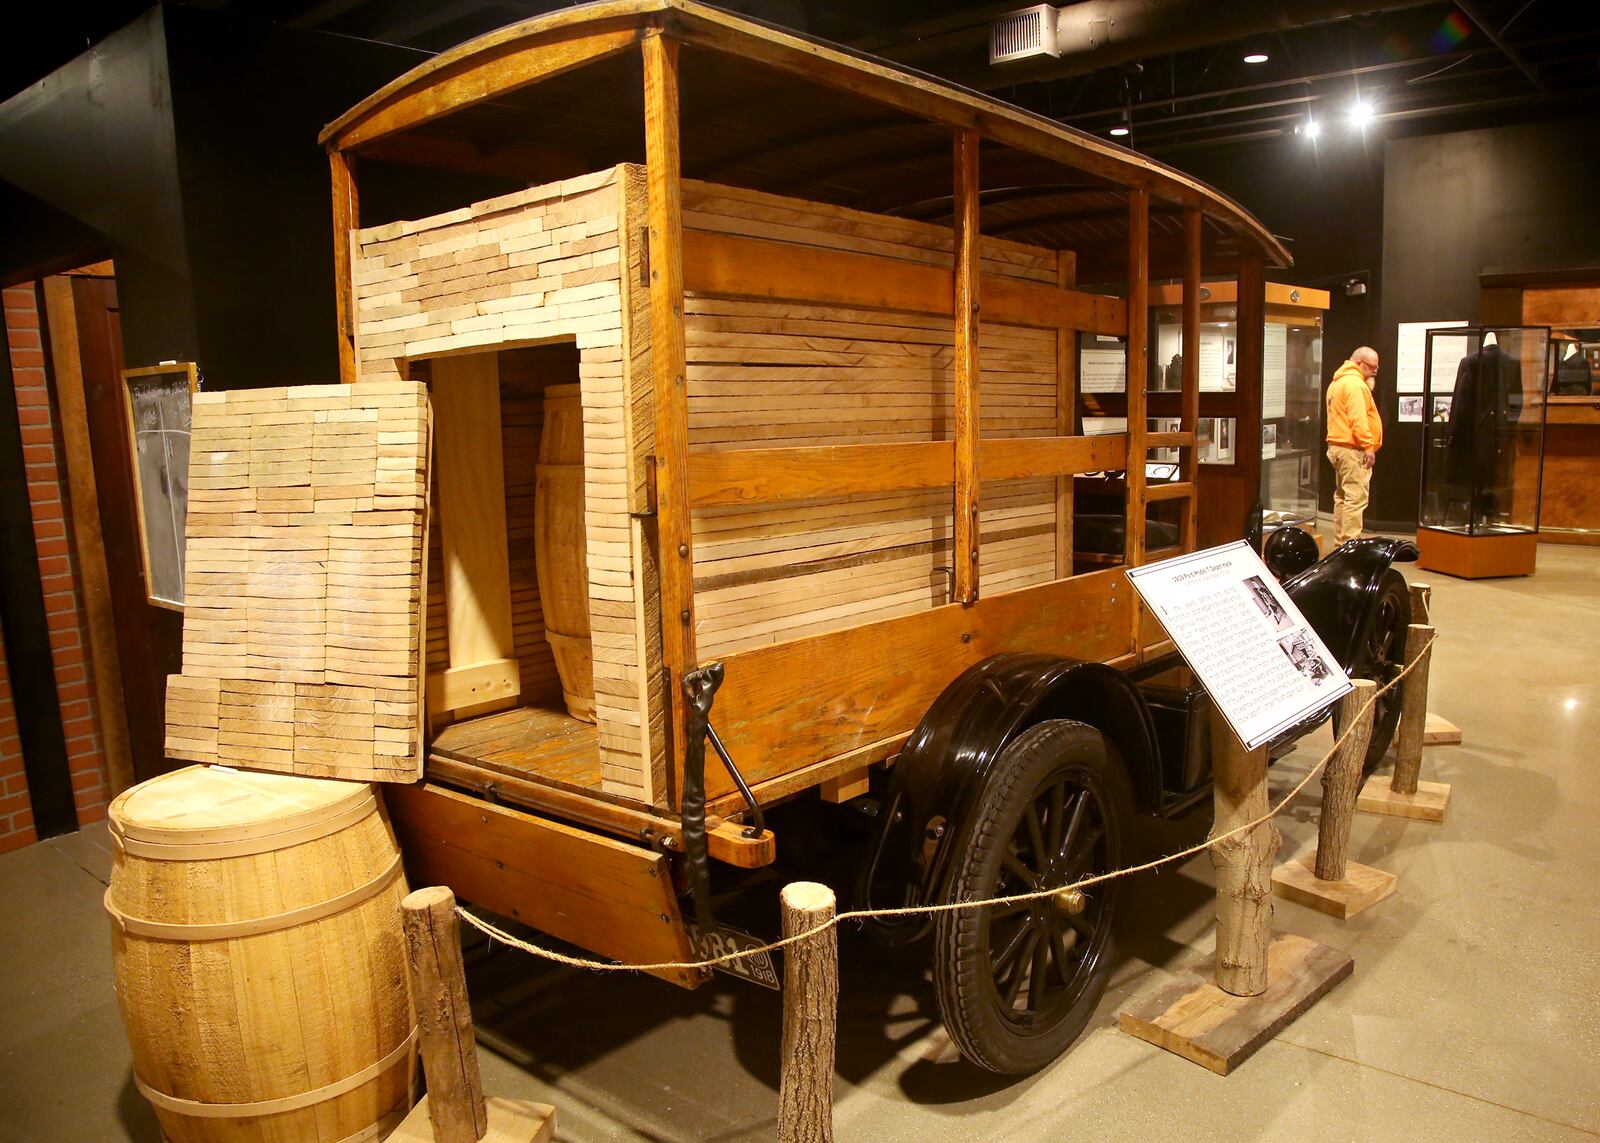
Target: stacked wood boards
{"x": 771, "y": 374}
{"x": 302, "y": 622}
{"x": 544, "y": 267}
{"x": 538, "y": 265}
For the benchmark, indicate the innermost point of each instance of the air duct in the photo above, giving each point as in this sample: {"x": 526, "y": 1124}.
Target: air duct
{"x": 1094, "y": 34}
{"x": 1024, "y": 35}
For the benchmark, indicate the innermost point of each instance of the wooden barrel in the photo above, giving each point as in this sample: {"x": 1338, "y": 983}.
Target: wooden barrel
{"x": 560, "y": 549}
{"x": 260, "y": 958}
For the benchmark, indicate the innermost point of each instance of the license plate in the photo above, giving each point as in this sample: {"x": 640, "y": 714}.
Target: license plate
{"x": 756, "y": 968}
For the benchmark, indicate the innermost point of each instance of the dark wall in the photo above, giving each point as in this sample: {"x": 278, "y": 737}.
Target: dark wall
{"x": 185, "y": 147}
{"x": 1326, "y": 202}
{"x": 249, "y": 99}
{"x": 1455, "y": 205}
{"x": 94, "y": 142}
{"x": 36, "y": 238}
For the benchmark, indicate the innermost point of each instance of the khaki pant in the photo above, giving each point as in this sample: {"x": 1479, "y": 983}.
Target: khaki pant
{"x": 1351, "y": 481}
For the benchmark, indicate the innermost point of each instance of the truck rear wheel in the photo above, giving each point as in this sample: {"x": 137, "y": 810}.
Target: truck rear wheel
{"x": 1017, "y": 983}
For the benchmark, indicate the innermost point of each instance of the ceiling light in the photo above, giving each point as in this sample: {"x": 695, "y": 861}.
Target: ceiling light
{"x": 1360, "y": 113}
{"x": 1119, "y": 130}
{"x": 1124, "y": 123}
{"x": 1312, "y": 129}
{"x": 1256, "y": 57}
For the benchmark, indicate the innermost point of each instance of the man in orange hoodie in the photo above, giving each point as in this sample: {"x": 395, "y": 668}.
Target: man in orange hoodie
{"x": 1355, "y": 434}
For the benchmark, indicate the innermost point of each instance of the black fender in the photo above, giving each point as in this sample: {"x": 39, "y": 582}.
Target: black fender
{"x": 943, "y": 768}
{"x": 1337, "y": 594}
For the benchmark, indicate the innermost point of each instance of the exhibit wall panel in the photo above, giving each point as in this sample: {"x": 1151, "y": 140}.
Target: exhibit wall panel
{"x": 1456, "y": 205}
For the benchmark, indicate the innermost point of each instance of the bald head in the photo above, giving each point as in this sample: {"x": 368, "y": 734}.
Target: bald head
{"x": 1367, "y": 358}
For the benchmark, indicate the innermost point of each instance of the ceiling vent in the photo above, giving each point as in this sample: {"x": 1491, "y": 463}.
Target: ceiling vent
{"x": 1024, "y": 35}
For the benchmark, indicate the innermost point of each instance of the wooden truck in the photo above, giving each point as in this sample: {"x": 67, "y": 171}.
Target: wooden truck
{"x": 738, "y": 397}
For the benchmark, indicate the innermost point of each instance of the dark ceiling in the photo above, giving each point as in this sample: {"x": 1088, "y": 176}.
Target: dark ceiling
{"x": 1180, "y": 81}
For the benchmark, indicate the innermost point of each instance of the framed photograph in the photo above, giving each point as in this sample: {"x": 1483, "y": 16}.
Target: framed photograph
{"x": 156, "y": 401}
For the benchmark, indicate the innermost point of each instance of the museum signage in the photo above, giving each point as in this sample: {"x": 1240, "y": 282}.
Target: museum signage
{"x": 1255, "y": 654}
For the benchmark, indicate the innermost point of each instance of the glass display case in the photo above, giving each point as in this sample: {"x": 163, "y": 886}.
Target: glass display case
{"x": 1291, "y": 420}
{"x": 1291, "y": 390}
{"x": 1484, "y": 401}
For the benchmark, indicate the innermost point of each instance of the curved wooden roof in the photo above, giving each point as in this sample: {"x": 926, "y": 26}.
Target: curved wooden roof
{"x": 781, "y": 130}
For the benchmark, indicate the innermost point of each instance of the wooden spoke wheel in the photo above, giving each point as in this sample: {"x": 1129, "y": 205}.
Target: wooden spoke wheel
{"x": 1381, "y": 657}
{"x": 1017, "y": 983}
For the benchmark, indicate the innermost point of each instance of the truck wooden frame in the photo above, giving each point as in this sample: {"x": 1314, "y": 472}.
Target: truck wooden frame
{"x": 823, "y": 315}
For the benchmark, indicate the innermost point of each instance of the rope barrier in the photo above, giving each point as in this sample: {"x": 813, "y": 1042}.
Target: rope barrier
{"x": 495, "y": 933}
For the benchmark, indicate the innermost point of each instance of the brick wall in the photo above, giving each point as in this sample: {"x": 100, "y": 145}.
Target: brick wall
{"x": 58, "y": 574}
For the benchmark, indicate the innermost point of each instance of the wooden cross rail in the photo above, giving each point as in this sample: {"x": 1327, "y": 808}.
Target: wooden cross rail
{"x": 762, "y": 476}
{"x": 732, "y": 266}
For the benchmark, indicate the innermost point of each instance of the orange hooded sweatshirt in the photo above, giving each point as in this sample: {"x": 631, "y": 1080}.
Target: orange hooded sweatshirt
{"x": 1352, "y": 414}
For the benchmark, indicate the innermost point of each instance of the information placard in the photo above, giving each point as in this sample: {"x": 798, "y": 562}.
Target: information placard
{"x": 1258, "y": 658}
{"x": 1411, "y": 349}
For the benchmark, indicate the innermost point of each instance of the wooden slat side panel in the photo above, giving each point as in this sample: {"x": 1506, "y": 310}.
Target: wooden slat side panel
{"x": 758, "y": 214}
{"x": 603, "y": 895}
{"x": 788, "y": 706}
{"x": 871, "y": 540}
{"x": 765, "y": 376}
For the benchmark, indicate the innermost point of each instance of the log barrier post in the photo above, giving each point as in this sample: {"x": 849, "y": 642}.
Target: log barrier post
{"x": 810, "y": 1016}
{"x": 1421, "y": 602}
{"x": 1243, "y": 863}
{"x": 1413, "y": 709}
{"x": 444, "y": 1016}
{"x": 1341, "y": 781}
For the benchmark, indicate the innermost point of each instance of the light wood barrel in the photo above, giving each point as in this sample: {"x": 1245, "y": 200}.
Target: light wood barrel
{"x": 260, "y": 957}
{"x": 561, "y": 549}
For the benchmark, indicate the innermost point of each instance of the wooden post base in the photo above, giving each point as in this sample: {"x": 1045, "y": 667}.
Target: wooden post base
{"x": 1426, "y": 805}
{"x": 1440, "y": 732}
{"x": 1361, "y": 887}
{"x": 510, "y": 1121}
{"x": 1195, "y": 1019}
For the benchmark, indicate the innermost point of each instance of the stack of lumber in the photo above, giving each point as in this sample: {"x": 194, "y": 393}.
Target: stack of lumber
{"x": 537, "y": 265}
{"x": 302, "y": 621}
{"x": 525, "y": 273}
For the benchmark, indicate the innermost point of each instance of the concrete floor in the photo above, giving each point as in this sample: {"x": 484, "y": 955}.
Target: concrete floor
{"x": 1472, "y": 1013}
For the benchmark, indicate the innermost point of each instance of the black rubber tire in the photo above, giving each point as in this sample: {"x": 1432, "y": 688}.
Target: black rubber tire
{"x": 990, "y": 1031}
{"x": 1381, "y": 656}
